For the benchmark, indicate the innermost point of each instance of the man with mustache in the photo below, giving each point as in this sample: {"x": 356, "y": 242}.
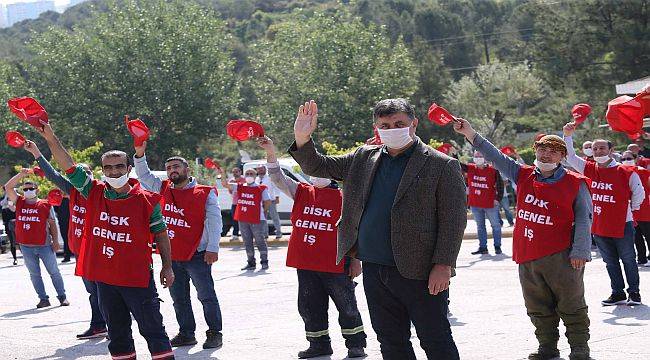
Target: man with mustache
{"x": 193, "y": 219}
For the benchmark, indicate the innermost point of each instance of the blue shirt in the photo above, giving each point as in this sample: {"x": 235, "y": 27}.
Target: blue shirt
{"x": 373, "y": 244}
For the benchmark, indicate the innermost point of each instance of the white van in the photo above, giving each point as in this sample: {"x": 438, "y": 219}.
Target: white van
{"x": 288, "y": 166}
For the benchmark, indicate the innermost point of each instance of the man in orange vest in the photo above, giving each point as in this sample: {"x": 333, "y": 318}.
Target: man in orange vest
{"x": 551, "y": 240}
{"x": 312, "y": 251}
{"x": 37, "y": 234}
{"x": 253, "y": 201}
{"x": 193, "y": 219}
{"x": 122, "y": 221}
{"x": 616, "y": 192}
{"x": 485, "y": 190}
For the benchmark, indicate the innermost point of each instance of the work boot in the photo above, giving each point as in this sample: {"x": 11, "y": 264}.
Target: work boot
{"x": 579, "y": 353}
{"x": 544, "y": 353}
{"x": 265, "y": 265}
{"x": 356, "y": 352}
{"x": 316, "y": 349}
{"x": 214, "y": 339}
{"x": 249, "y": 266}
{"x": 182, "y": 340}
{"x": 43, "y": 303}
{"x": 480, "y": 251}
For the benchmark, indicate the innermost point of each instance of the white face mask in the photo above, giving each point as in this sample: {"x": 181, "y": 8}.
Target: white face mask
{"x": 628, "y": 162}
{"x": 320, "y": 182}
{"x": 116, "y": 183}
{"x": 479, "y": 160}
{"x": 395, "y": 138}
{"x": 250, "y": 179}
{"x": 545, "y": 166}
{"x": 29, "y": 194}
{"x": 602, "y": 159}
{"x": 588, "y": 152}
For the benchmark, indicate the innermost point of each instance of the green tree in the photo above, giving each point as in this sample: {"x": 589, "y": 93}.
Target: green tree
{"x": 167, "y": 61}
{"x": 338, "y": 61}
{"x": 495, "y": 97}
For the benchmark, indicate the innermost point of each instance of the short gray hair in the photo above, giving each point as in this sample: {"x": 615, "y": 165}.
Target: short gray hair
{"x": 115, "y": 153}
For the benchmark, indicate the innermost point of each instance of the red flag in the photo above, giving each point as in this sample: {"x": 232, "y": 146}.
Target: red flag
{"x": 138, "y": 129}
{"x": 14, "y": 139}
{"x": 55, "y": 197}
{"x": 29, "y": 110}
{"x": 242, "y": 130}
{"x": 509, "y": 150}
{"x": 38, "y": 171}
{"x": 440, "y": 116}
{"x": 445, "y": 148}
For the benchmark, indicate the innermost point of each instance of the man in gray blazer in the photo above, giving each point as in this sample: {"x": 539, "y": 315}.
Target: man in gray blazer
{"x": 404, "y": 214}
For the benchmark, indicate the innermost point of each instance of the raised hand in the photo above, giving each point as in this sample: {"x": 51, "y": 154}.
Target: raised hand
{"x": 26, "y": 172}
{"x": 265, "y": 143}
{"x": 569, "y": 129}
{"x": 140, "y": 150}
{"x": 463, "y": 127}
{"x": 31, "y": 147}
{"x": 306, "y": 122}
{"x": 46, "y": 131}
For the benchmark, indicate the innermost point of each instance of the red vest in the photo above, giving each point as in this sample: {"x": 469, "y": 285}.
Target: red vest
{"x": 610, "y": 194}
{"x": 116, "y": 247}
{"x": 545, "y": 216}
{"x": 482, "y": 186}
{"x": 315, "y": 214}
{"x": 249, "y": 203}
{"x": 643, "y": 162}
{"x": 643, "y": 214}
{"x": 76, "y": 222}
{"x": 31, "y": 222}
{"x": 184, "y": 213}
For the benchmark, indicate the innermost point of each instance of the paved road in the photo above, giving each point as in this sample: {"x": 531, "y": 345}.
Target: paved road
{"x": 261, "y": 320}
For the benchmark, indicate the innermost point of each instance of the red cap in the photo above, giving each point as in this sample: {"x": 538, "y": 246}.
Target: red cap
{"x": 580, "y": 112}
{"x": 242, "y": 130}
{"x": 625, "y": 114}
{"x": 138, "y": 130}
{"x": 29, "y": 110}
{"x": 38, "y": 171}
{"x": 509, "y": 150}
{"x": 55, "y": 197}
{"x": 211, "y": 164}
{"x": 440, "y": 116}
{"x": 539, "y": 136}
{"x": 445, "y": 148}
{"x": 14, "y": 139}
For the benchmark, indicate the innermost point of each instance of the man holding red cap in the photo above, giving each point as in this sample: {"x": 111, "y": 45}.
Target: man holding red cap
{"x": 616, "y": 192}
{"x": 37, "y": 234}
{"x": 191, "y": 212}
{"x": 77, "y": 213}
{"x": 551, "y": 240}
{"x": 485, "y": 190}
{"x": 312, "y": 251}
{"x": 253, "y": 201}
{"x": 122, "y": 219}
{"x": 404, "y": 213}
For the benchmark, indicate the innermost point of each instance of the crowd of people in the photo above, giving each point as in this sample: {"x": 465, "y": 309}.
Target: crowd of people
{"x": 400, "y": 221}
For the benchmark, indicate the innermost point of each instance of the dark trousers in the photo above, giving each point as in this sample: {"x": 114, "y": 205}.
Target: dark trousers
{"x": 118, "y": 303}
{"x": 200, "y": 273}
{"x": 617, "y": 250}
{"x": 395, "y": 302}
{"x": 314, "y": 291}
{"x": 553, "y": 290}
{"x": 641, "y": 237}
{"x": 11, "y": 234}
{"x": 97, "y": 319}
{"x": 235, "y": 223}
